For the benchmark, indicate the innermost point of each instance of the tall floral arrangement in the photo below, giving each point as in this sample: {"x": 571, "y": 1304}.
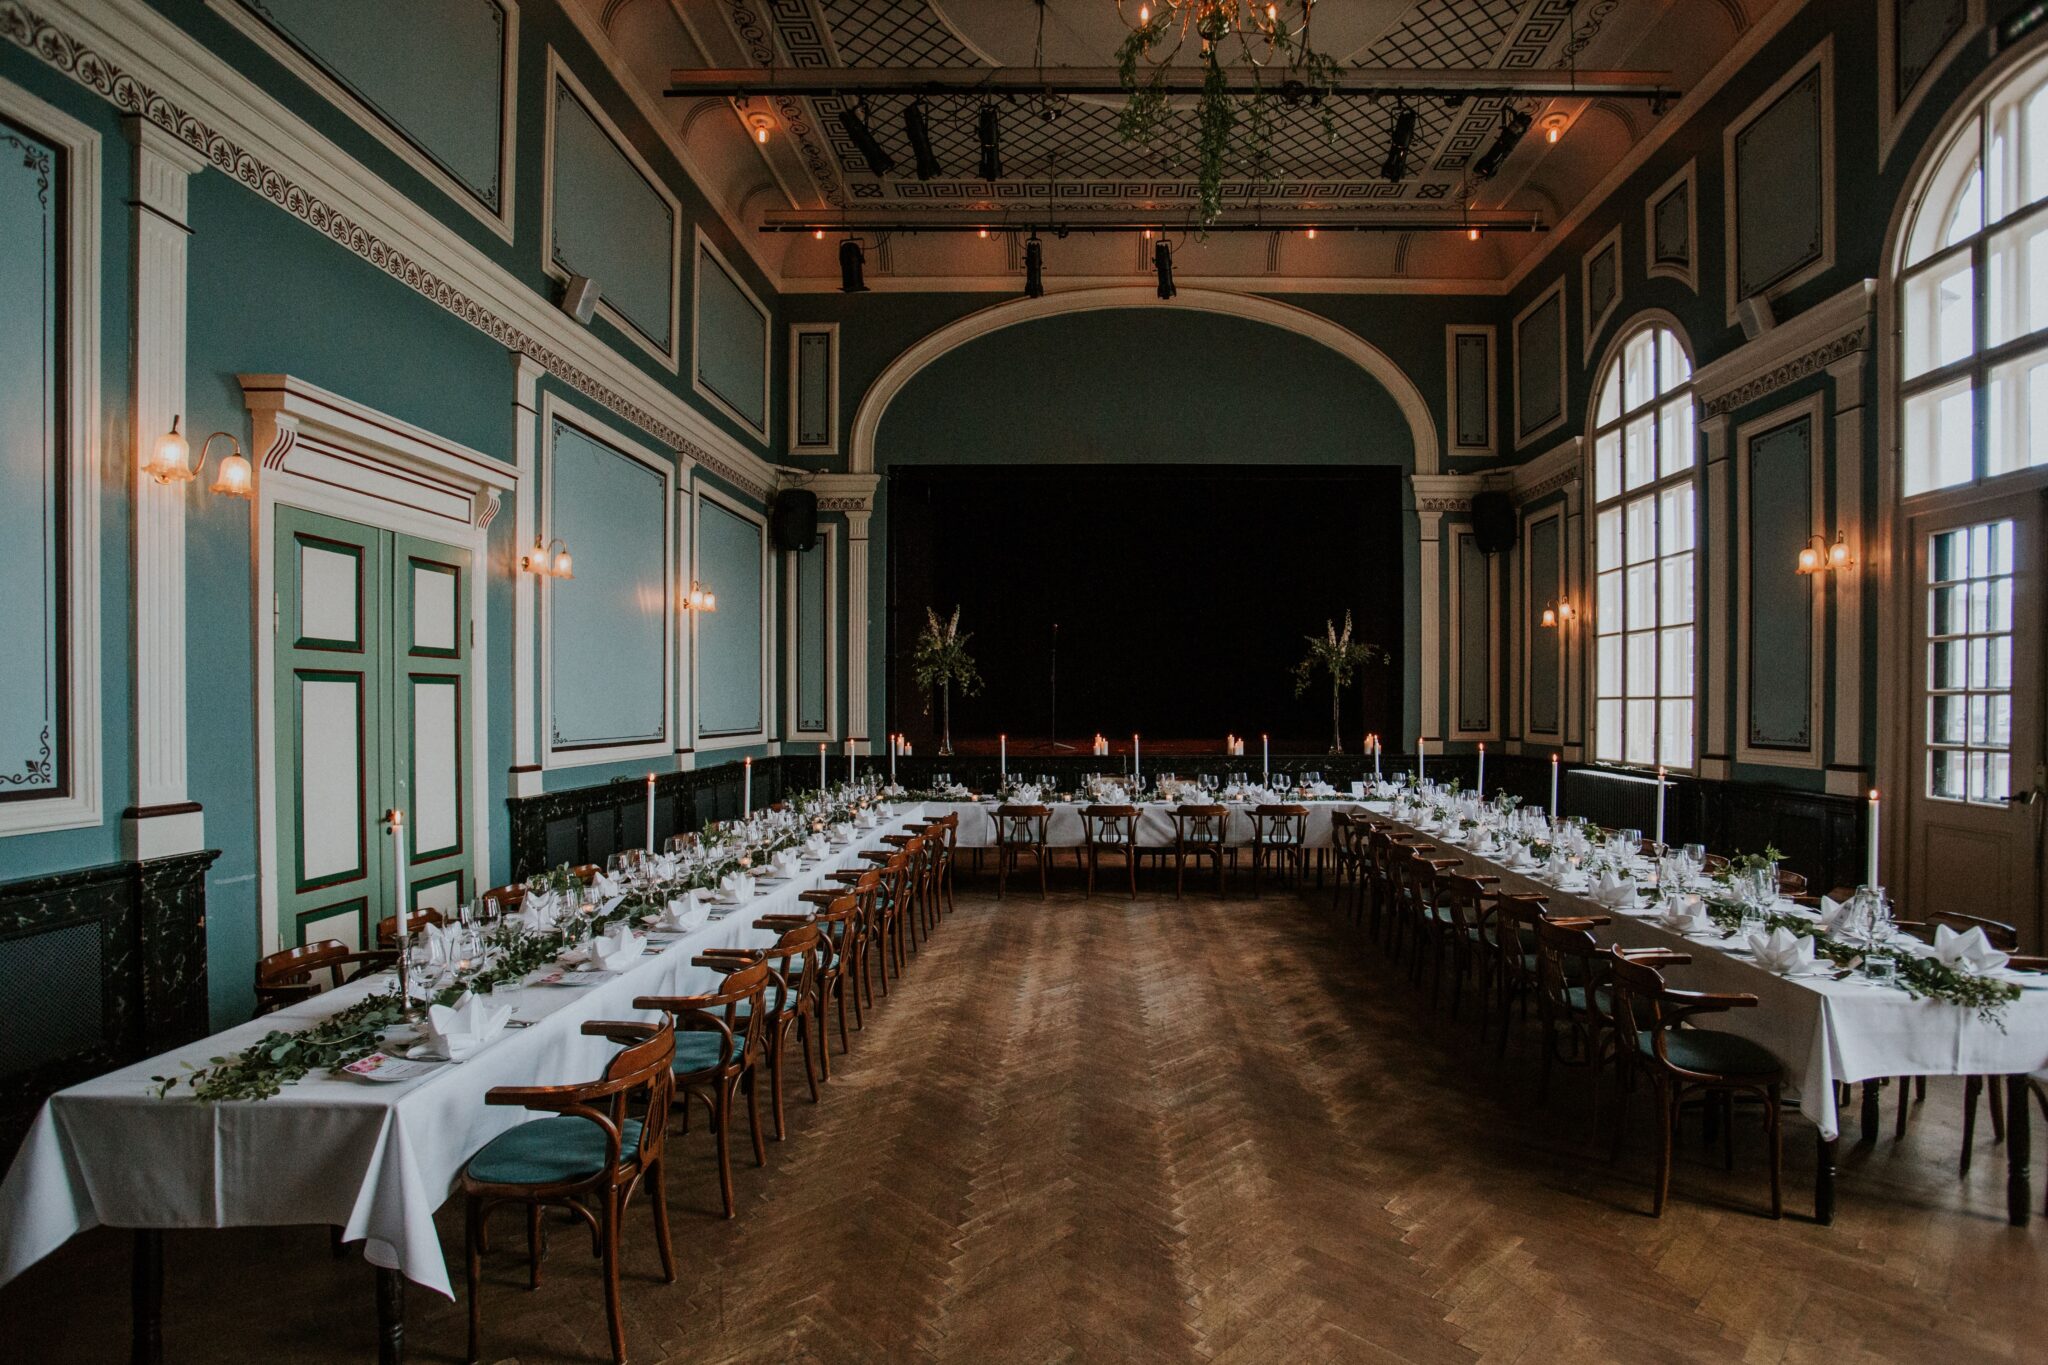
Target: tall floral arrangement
{"x": 940, "y": 662}
{"x": 1339, "y": 655}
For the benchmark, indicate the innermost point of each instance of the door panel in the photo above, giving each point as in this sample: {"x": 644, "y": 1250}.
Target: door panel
{"x": 1972, "y": 834}
{"x": 330, "y": 691}
{"x": 430, "y": 691}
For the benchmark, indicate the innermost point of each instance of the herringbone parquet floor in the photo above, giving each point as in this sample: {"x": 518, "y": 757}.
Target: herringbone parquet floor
{"x": 1205, "y": 1130}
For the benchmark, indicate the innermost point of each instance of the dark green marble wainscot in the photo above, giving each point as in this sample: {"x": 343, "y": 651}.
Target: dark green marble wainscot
{"x": 99, "y": 967}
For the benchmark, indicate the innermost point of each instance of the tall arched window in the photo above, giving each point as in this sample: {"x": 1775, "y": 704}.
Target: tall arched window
{"x": 1643, "y": 535}
{"x": 1973, "y": 298}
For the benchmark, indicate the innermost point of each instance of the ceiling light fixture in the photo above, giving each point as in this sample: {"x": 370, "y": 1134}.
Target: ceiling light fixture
{"x": 1554, "y": 126}
{"x": 1395, "y": 168}
{"x": 1512, "y": 125}
{"x": 761, "y": 124}
{"x": 988, "y": 131}
{"x": 917, "y": 127}
{"x": 852, "y": 268}
{"x": 854, "y": 119}
{"x": 1162, "y": 262}
{"x": 1034, "y": 268}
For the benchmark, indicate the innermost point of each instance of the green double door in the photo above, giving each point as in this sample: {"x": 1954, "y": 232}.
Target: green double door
{"x": 373, "y": 642}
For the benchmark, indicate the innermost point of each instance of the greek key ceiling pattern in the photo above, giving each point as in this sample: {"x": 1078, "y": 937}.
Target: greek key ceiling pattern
{"x": 1070, "y": 151}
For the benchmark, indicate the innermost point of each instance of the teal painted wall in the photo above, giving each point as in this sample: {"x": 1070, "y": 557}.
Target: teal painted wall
{"x": 730, "y": 549}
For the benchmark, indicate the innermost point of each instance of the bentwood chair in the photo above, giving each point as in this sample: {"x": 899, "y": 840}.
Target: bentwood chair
{"x": 1198, "y": 833}
{"x": 1575, "y": 1006}
{"x": 1279, "y": 837}
{"x": 1111, "y": 830}
{"x": 604, "y": 1141}
{"x": 838, "y": 922}
{"x": 791, "y": 1000}
{"x": 717, "y": 1056}
{"x": 1021, "y": 830}
{"x": 287, "y": 977}
{"x": 1679, "y": 1060}
{"x": 1471, "y": 932}
{"x": 1515, "y": 917}
{"x": 1347, "y": 847}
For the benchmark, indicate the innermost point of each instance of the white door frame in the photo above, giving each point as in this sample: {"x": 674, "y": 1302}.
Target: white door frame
{"x": 325, "y": 453}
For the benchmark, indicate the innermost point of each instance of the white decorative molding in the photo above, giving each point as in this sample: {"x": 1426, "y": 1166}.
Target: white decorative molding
{"x": 552, "y": 410}
{"x": 164, "y": 820}
{"x": 1453, "y": 447}
{"x": 1429, "y": 525}
{"x": 1822, "y": 58}
{"x": 700, "y": 244}
{"x": 1846, "y": 585}
{"x": 1806, "y": 344}
{"x": 130, "y": 55}
{"x": 80, "y": 806}
{"x": 1590, "y": 322}
{"x": 830, "y": 331}
{"x": 1529, "y": 437}
{"x": 1556, "y": 468}
{"x": 326, "y": 453}
{"x": 525, "y": 777}
{"x": 1689, "y": 274}
{"x": 1809, "y": 410}
{"x": 703, "y": 493}
{"x": 288, "y": 55}
{"x": 857, "y": 717}
{"x": 828, "y": 545}
{"x": 1414, "y": 407}
{"x": 1717, "y": 510}
{"x": 669, "y": 356}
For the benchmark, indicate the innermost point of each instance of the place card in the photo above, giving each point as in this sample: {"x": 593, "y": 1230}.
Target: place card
{"x": 578, "y": 976}
{"x": 386, "y": 1069}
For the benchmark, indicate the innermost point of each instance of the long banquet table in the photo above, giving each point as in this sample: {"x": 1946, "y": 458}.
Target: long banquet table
{"x": 1824, "y": 1031}
{"x": 375, "y": 1160}
{"x": 1063, "y": 828}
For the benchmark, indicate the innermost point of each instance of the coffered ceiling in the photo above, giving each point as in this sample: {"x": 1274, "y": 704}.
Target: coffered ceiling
{"x": 1065, "y": 155}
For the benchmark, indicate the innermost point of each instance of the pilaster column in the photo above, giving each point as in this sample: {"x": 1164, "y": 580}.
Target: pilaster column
{"x": 1847, "y": 768}
{"x": 525, "y": 777}
{"x": 857, "y": 718}
{"x": 164, "y": 819}
{"x": 1429, "y": 526}
{"x": 1716, "y": 578}
{"x": 1572, "y": 686}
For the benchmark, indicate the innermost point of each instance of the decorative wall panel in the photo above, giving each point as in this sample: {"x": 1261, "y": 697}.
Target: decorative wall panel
{"x": 607, "y": 626}
{"x": 1543, "y": 541}
{"x": 814, "y": 389}
{"x": 1600, "y": 279}
{"x": 1539, "y": 366}
{"x": 812, "y": 643}
{"x": 1779, "y": 169}
{"x": 610, "y": 219}
{"x": 731, "y": 546}
{"x": 34, "y": 757}
{"x": 1671, "y": 230}
{"x": 441, "y": 89}
{"x": 1778, "y": 469}
{"x": 1471, "y": 399}
{"x": 731, "y": 350}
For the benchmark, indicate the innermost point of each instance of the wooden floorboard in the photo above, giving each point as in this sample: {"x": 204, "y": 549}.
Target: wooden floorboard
{"x": 1173, "y": 1131}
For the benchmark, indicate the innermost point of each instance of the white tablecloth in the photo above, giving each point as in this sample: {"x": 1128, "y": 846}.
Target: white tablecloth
{"x": 1823, "y": 1031}
{"x": 374, "y": 1159}
{"x": 1155, "y": 822}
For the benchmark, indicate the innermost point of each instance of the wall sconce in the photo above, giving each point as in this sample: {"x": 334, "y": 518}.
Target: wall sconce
{"x": 548, "y": 562}
{"x": 699, "y": 599}
{"x": 232, "y": 477}
{"x": 1817, "y": 556}
{"x": 1556, "y": 610}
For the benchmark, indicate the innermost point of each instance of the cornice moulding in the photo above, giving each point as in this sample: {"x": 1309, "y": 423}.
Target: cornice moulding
{"x": 251, "y": 137}
{"x": 1806, "y": 344}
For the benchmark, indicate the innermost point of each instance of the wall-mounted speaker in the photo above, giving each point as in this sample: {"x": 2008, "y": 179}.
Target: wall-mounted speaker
{"x": 793, "y": 521}
{"x": 1494, "y": 526}
{"x": 579, "y": 298}
{"x": 1756, "y": 316}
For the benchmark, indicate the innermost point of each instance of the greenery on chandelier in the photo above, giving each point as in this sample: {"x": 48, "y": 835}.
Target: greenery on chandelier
{"x": 1337, "y": 654}
{"x": 1303, "y": 74}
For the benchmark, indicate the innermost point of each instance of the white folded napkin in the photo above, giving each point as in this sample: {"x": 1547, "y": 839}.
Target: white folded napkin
{"x": 603, "y": 888}
{"x": 1613, "y": 889}
{"x": 1967, "y": 952}
{"x": 1557, "y": 865}
{"x": 739, "y": 886}
{"x": 458, "y": 1031}
{"x": 1686, "y": 915}
{"x": 665, "y": 867}
{"x": 440, "y": 945}
{"x": 615, "y": 951}
{"x": 537, "y": 914}
{"x": 818, "y": 845}
{"x": 1832, "y": 913}
{"x": 1520, "y": 857}
{"x": 685, "y": 913}
{"x": 1782, "y": 951}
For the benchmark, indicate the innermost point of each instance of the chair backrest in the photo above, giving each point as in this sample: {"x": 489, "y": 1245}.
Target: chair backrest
{"x": 719, "y": 1010}
{"x": 586, "y": 872}
{"x": 1116, "y": 825}
{"x": 1999, "y": 934}
{"x": 1466, "y": 897}
{"x": 294, "y": 967}
{"x": 1282, "y": 823}
{"x": 1566, "y": 956}
{"x": 502, "y": 900}
{"x": 1200, "y": 824}
{"x": 639, "y": 1079}
{"x": 415, "y": 923}
{"x": 1022, "y": 825}
{"x": 793, "y": 962}
{"x": 836, "y": 924}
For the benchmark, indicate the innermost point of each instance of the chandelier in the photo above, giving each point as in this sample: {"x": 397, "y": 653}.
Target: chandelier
{"x": 1264, "y": 30}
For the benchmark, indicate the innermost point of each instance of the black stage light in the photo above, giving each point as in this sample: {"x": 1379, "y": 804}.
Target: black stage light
{"x": 1162, "y": 261}
{"x": 1034, "y": 268}
{"x": 917, "y": 128}
{"x": 852, "y": 266}
{"x": 1396, "y": 166}
{"x": 1511, "y": 129}
{"x": 854, "y": 119}
{"x": 988, "y": 129}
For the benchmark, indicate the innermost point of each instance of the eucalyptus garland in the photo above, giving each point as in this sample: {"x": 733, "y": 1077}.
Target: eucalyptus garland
{"x": 1926, "y": 978}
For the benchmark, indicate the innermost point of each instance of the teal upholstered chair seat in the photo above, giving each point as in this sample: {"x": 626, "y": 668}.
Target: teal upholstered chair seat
{"x": 548, "y": 1151}
{"x": 1715, "y": 1053}
{"x": 700, "y": 1051}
